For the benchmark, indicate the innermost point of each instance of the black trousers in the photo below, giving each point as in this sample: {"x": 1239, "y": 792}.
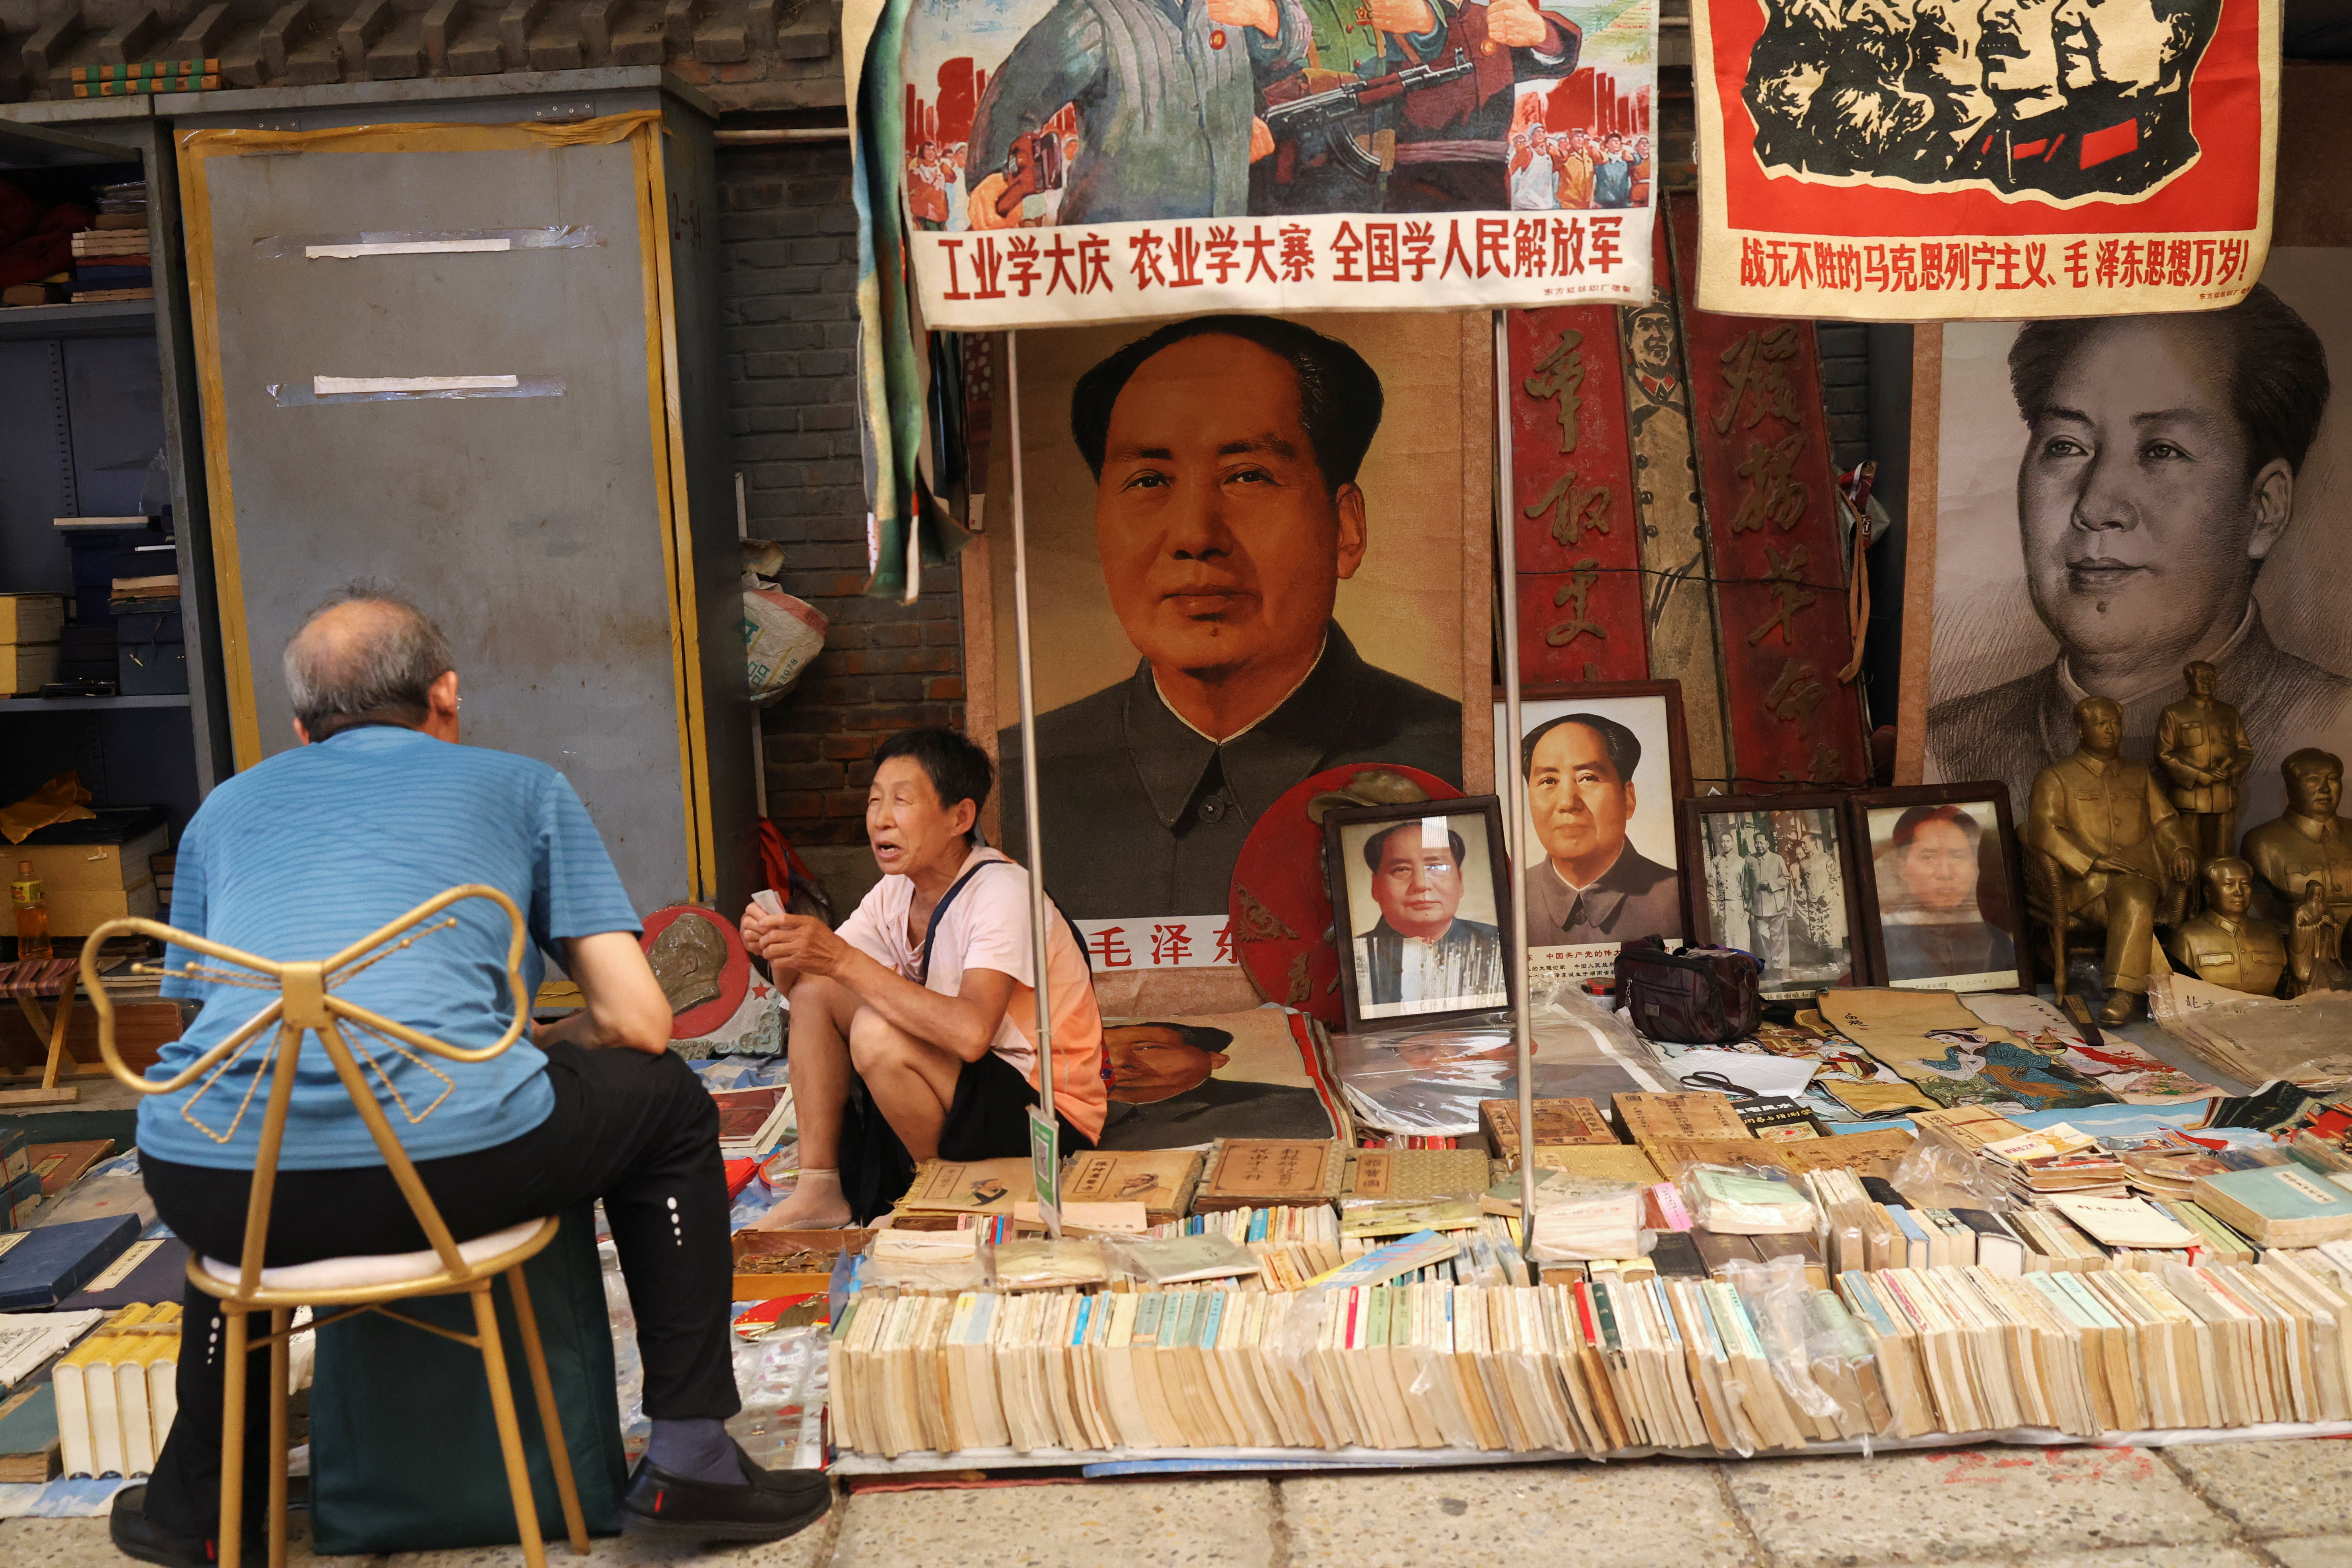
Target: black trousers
{"x": 637, "y": 1131}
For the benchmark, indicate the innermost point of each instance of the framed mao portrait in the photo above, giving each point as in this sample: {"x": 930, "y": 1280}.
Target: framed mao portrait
{"x": 1943, "y": 906}
{"x": 1775, "y": 877}
{"x": 1420, "y": 905}
{"x": 1600, "y": 850}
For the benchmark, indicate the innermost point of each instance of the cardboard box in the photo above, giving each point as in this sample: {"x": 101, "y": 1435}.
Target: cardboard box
{"x": 31, "y": 617}
{"x": 27, "y": 667}
{"x": 73, "y": 914}
{"x": 753, "y": 1285}
{"x": 94, "y": 867}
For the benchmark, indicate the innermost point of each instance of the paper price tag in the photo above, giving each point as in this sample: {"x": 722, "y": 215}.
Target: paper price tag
{"x": 1046, "y": 1166}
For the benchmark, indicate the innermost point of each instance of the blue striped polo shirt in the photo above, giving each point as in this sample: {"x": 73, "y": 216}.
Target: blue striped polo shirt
{"x": 300, "y": 856}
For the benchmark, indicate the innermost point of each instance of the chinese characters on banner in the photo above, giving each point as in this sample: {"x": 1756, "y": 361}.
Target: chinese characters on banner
{"x": 1071, "y": 161}
{"x": 1764, "y": 475}
{"x": 1580, "y": 557}
{"x": 1984, "y": 158}
{"x": 1172, "y": 942}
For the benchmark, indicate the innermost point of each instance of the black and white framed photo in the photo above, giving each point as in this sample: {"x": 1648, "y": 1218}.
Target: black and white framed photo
{"x": 1421, "y": 905}
{"x": 1942, "y": 908}
{"x": 1776, "y": 878}
{"x": 1601, "y": 854}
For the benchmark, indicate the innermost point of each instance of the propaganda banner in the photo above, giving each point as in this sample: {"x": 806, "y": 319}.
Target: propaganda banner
{"x": 1928, "y": 160}
{"x": 1063, "y": 162}
{"x": 1768, "y": 497}
{"x": 1579, "y": 554}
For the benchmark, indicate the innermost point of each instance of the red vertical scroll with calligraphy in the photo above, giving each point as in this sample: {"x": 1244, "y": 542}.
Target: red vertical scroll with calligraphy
{"x": 1579, "y": 556}
{"x": 1769, "y": 495}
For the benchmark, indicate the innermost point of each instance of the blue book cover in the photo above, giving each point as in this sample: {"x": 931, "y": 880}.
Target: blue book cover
{"x": 2280, "y": 1192}
{"x": 154, "y": 1269}
{"x": 40, "y": 1268}
{"x": 28, "y": 1435}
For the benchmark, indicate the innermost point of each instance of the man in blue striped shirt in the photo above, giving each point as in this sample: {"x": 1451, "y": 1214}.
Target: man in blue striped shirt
{"x": 378, "y": 810}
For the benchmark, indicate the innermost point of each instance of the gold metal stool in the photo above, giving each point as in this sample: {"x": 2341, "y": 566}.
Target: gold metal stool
{"x": 307, "y": 1005}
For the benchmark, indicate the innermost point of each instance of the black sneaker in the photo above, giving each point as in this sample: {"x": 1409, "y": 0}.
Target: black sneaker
{"x": 136, "y": 1536}
{"x": 771, "y": 1506}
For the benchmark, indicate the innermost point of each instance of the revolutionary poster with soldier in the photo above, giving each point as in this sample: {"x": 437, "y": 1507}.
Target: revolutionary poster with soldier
{"x": 1926, "y": 159}
{"x": 1069, "y": 161}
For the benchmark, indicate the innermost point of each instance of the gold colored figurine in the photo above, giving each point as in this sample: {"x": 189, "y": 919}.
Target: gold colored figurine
{"x": 2225, "y": 944}
{"x": 2123, "y": 854}
{"x": 2201, "y": 746}
{"x": 2310, "y": 842}
{"x": 2317, "y": 949}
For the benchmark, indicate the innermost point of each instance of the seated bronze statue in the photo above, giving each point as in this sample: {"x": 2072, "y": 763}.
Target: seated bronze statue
{"x": 2122, "y": 855}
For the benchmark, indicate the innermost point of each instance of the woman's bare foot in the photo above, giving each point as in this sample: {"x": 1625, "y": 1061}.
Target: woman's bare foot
{"x": 816, "y": 1203}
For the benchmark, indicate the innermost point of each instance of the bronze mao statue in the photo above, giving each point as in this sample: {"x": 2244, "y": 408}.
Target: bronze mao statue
{"x": 2317, "y": 949}
{"x": 2123, "y": 855}
{"x": 2226, "y": 945}
{"x": 2201, "y": 747}
{"x": 2310, "y": 842}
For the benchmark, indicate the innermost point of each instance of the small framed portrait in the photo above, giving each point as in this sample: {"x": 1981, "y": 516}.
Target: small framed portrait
{"x": 1601, "y": 852}
{"x": 1421, "y": 905}
{"x": 1776, "y": 878}
{"x": 1942, "y": 908}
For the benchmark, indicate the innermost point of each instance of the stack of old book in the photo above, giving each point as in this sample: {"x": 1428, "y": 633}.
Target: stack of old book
{"x": 753, "y": 1122}
{"x": 117, "y": 1393}
{"x": 1625, "y": 1359}
{"x": 113, "y": 264}
{"x": 145, "y": 76}
{"x": 2058, "y": 1159}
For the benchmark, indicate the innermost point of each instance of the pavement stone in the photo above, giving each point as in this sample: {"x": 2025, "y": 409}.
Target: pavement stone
{"x": 1132, "y": 1524}
{"x": 2206, "y": 1556}
{"x": 2299, "y": 1486}
{"x": 2312, "y": 1551}
{"x": 1636, "y": 1514}
{"x": 84, "y": 1543}
{"x": 2027, "y": 1503}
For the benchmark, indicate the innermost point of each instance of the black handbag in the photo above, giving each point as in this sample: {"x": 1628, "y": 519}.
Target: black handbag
{"x": 1700, "y": 996}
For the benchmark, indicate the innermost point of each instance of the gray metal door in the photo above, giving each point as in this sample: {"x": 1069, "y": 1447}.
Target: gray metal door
{"x": 531, "y": 526}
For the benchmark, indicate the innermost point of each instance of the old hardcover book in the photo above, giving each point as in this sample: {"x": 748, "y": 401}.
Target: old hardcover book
{"x": 59, "y": 1166}
{"x": 1972, "y": 1126}
{"x": 976, "y": 1186}
{"x": 1260, "y": 1172}
{"x": 1864, "y": 1154}
{"x": 1417, "y": 1172}
{"x": 1676, "y": 1155}
{"x": 1163, "y": 1180}
{"x": 1619, "y": 1162}
{"x": 1653, "y": 1118}
{"x": 30, "y": 1453}
{"x": 2278, "y": 1206}
{"x": 1570, "y": 1119}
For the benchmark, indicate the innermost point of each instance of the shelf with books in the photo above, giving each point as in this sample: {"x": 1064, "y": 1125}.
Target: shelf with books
{"x": 92, "y": 705}
{"x": 106, "y": 319}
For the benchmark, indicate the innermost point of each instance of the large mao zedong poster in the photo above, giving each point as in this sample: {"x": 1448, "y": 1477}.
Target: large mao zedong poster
{"x": 1066, "y": 161}
{"x": 1257, "y": 552}
{"x": 1927, "y": 160}
{"x": 2106, "y": 501}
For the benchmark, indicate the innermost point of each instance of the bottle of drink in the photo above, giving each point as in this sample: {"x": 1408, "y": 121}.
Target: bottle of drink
{"x": 32, "y": 913}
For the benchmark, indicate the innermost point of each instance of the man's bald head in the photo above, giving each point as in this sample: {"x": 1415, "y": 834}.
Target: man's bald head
{"x": 364, "y": 656}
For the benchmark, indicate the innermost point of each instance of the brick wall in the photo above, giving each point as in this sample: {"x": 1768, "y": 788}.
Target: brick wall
{"x": 791, "y": 270}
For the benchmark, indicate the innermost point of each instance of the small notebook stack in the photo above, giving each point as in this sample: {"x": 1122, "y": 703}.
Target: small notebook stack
{"x": 110, "y": 259}
{"x": 2058, "y": 1159}
{"x": 146, "y": 76}
{"x": 117, "y": 1393}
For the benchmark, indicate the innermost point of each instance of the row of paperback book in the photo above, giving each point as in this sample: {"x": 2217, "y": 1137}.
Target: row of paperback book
{"x": 1622, "y": 1360}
